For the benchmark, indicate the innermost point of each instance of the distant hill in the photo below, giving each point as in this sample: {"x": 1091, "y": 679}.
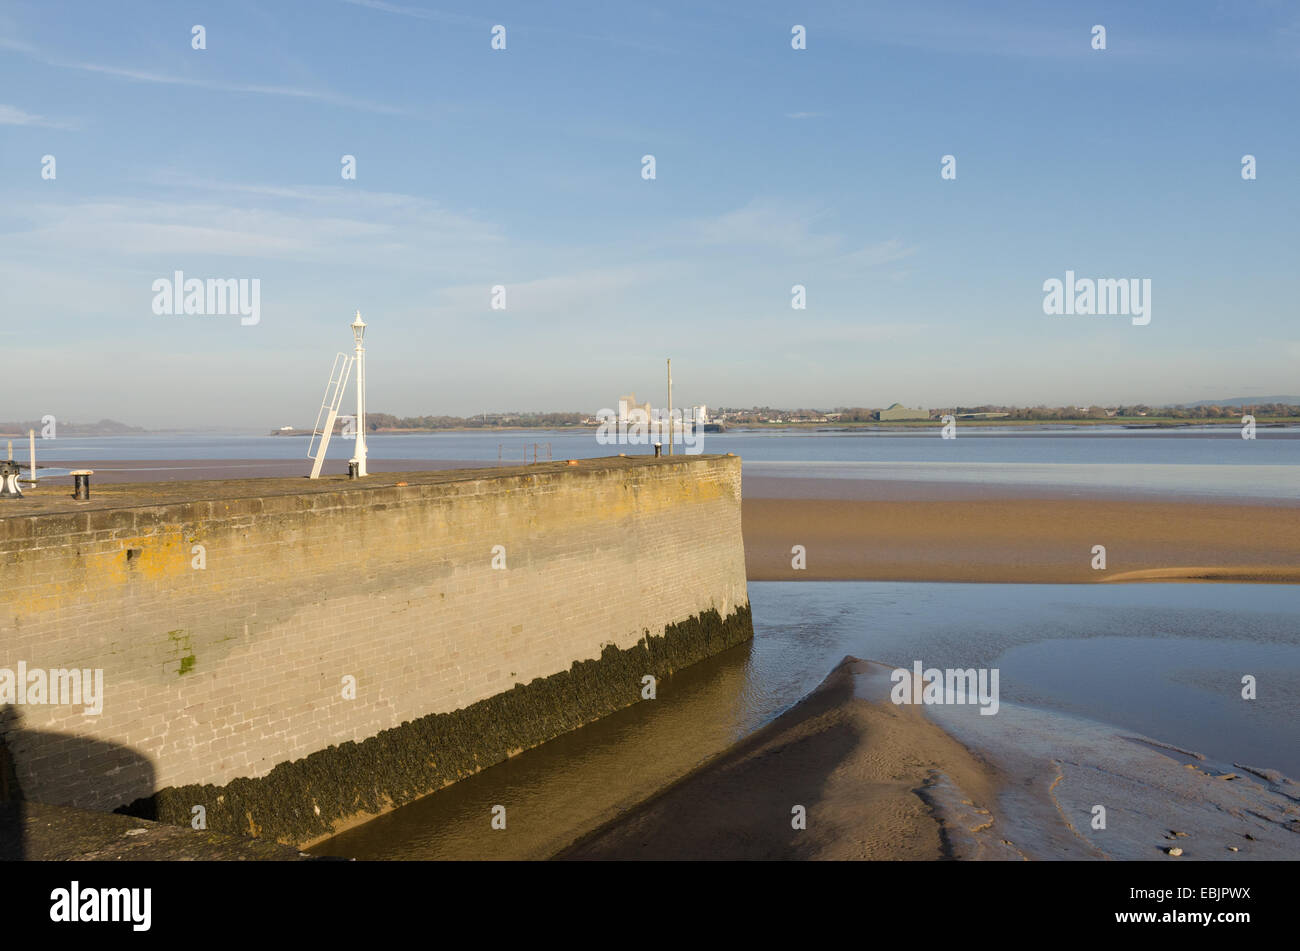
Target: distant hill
{"x": 105, "y": 427}
{"x": 1247, "y": 401}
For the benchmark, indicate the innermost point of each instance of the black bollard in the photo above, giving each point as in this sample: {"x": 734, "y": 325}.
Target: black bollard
{"x": 81, "y": 484}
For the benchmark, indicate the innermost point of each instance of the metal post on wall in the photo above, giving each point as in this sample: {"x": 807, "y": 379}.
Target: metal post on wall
{"x": 670, "y": 407}
{"x": 358, "y": 335}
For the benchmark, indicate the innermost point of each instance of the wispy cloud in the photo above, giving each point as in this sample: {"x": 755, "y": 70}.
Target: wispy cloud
{"x": 12, "y": 115}
{"x": 422, "y": 13}
{"x": 805, "y": 115}
{"x": 786, "y": 226}
{"x": 149, "y": 76}
{"x": 791, "y": 229}
{"x": 874, "y": 255}
{"x": 418, "y": 13}
{"x": 559, "y": 298}
{"x": 311, "y": 224}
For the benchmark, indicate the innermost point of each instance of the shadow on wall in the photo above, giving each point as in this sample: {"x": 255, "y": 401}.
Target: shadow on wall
{"x": 85, "y": 760}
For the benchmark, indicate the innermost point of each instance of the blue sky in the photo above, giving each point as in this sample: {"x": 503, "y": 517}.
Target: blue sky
{"x": 522, "y": 167}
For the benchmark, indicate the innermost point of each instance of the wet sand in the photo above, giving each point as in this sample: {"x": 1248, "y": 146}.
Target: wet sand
{"x": 883, "y": 781}
{"x": 888, "y": 531}
{"x": 861, "y": 770}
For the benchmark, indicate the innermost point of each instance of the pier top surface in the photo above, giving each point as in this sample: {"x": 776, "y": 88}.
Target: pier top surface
{"x": 54, "y": 495}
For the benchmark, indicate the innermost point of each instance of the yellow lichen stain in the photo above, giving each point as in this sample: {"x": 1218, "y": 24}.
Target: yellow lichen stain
{"x": 165, "y": 556}
{"x": 160, "y": 557}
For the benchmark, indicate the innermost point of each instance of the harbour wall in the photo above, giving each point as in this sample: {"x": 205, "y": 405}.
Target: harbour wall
{"x": 290, "y": 656}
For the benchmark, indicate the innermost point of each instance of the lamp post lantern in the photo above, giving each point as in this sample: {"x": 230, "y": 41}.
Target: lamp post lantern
{"x": 358, "y": 334}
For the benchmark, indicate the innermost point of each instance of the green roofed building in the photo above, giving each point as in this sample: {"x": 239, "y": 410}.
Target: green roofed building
{"x": 899, "y": 411}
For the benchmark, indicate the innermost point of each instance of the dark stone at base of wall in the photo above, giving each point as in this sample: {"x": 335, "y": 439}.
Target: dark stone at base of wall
{"x": 305, "y": 800}
{"x": 36, "y": 832}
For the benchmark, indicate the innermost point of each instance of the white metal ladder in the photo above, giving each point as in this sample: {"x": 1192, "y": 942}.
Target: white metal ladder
{"x": 329, "y": 408}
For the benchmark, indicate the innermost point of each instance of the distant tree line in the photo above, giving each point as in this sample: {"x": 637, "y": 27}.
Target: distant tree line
{"x": 487, "y": 421}
{"x": 1129, "y": 410}
{"x": 865, "y": 414}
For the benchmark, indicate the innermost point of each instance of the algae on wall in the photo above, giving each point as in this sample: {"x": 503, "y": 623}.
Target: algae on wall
{"x": 303, "y": 800}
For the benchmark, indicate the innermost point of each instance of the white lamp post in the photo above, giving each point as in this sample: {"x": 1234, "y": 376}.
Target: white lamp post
{"x": 358, "y": 333}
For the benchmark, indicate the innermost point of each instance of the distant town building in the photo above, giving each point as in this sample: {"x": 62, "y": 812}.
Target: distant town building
{"x": 629, "y": 409}
{"x": 899, "y": 411}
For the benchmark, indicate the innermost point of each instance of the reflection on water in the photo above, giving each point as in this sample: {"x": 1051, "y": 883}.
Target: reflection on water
{"x": 1165, "y": 660}
{"x": 568, "y": 786}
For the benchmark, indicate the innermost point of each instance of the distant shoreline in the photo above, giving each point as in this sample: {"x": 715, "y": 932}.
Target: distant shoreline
{"x": 1158, "y": 423}
{"x": 984, "y": 426}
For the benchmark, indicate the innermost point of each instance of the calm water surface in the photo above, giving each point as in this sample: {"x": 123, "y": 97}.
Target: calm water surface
{"x": 1187, "y": 462}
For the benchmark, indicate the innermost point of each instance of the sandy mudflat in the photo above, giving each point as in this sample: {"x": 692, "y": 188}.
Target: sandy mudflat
{"x": 971, "y": 533}
{"x": 859, "y": 768}
{"x": 884, "y": 781}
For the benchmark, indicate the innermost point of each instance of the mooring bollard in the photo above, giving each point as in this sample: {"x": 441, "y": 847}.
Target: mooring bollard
{"x": 658, "y": 449}
{"x": 81, "y": 484}
{"x": 354, "y": 470}
{"x": 9, "y": 480}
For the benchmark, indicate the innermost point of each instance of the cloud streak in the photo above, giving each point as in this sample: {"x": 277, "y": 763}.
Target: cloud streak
{"x": 217, "y": 85}
{"x": 12, "y": 115}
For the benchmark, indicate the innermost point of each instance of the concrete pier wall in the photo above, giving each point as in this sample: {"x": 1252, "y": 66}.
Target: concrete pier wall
{"x": 365, "y": 642}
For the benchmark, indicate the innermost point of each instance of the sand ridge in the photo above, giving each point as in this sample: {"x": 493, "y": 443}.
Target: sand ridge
{"x": 867, "y": 772}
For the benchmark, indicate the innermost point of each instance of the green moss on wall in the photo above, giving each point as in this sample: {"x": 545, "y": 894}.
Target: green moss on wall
{"x": 303, "y": 800}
